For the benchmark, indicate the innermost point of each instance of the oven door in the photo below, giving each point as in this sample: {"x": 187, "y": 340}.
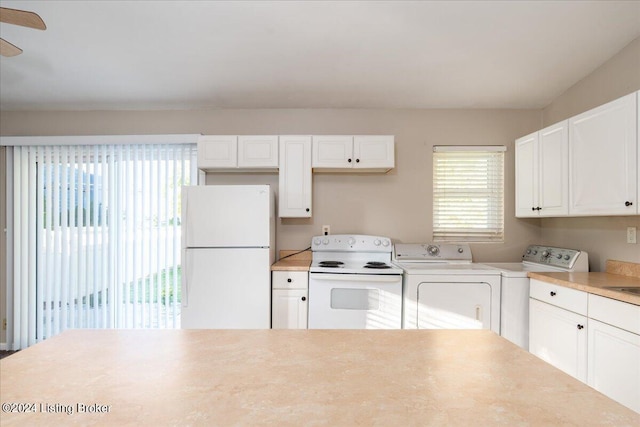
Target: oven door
{"x": 355, "y": 301}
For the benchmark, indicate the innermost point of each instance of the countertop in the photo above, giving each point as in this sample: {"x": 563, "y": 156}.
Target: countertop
{"x": 294, "y": 261}
{"x": 294, "y": 377}
{"x": 596, "y": 283}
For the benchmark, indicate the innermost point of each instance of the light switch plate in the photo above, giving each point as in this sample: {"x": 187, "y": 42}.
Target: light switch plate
{"x": 631, "y": 235}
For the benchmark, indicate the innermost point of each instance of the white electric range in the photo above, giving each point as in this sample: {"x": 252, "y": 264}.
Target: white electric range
{"x": 352, "y": 283}
{"x": 444, "y": 289}
{"x": 514, "y": 316}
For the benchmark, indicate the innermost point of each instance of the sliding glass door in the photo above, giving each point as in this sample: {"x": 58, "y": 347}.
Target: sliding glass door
{"x": 97, "y": 236}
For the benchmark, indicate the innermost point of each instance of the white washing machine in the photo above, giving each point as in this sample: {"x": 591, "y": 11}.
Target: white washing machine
{"x": 514, "y": 316}
{"x": 443, "y": 289}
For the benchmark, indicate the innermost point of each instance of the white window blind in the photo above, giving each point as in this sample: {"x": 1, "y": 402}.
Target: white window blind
{"x": 96, "y": 235}
{"x": 468, "y": 194}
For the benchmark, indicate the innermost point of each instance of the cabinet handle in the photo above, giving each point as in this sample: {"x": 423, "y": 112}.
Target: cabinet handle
{"x": 533, "y": 208}
{"x": 349, "y": 160}
{"x": 628, "y": 203}
{"x": 289, "y": 280}
{"x": 357, "y": 160}
{"x": 307, "y": 209}
{"x": 553, "y": 294}
{"x": 538, "y": 208}
{"x": 580, "y": 327}
{"x": 303, "y": 298}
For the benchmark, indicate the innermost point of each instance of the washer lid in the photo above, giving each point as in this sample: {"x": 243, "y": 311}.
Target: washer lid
{"x": 519, "y": 269}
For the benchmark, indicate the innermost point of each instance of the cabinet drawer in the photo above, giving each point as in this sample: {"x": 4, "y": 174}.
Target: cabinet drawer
{"x": 560, "y": 296}
{"x": 290, "y": 280}
{"x": 615, "y": 313}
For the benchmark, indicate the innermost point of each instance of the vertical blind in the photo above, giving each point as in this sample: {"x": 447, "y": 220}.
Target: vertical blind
{"x": 97, "y": 237}
{"x": 468, "y": 194}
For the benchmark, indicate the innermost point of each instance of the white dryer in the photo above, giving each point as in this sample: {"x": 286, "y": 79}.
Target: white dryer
{"x": 514, "y": 316}
{"x": 443, "y": 289}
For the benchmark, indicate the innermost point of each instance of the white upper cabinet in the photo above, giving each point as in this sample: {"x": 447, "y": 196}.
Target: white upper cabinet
{"x": 258, "y": 151}
{"x": 294, "y": 188}
{"x": 604, "y": 159}
{"x": 373, "y": 152}
{"x": 357, "y": 153}
{"x": 246, "y": 152}
{"x": 527, "y": 175}
{"x": 542, "y": 172}
{"x": 217, "y": 151}
{"x": 332, "y": 151}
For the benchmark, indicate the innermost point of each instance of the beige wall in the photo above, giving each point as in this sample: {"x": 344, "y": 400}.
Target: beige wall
{"x": 397, "y": 204}
{"x": 603, "y": 237}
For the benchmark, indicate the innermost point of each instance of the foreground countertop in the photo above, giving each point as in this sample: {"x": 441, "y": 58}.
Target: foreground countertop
{"x": 295, "y": 377}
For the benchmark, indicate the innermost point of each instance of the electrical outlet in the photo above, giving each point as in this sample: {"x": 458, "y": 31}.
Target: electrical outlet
{"x": 631, "y": 235}
{"x": 326, "y": 230}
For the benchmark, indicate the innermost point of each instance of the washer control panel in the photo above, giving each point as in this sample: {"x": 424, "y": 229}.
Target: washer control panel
{"x": 548, "y": 255}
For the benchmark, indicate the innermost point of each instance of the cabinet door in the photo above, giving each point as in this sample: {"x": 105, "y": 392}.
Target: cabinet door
{"x": 559, "y": 337}
{"x": 258, "y": 151}
{"x": 527, "y": 176}
{"x": 294, "y": 199}
{"x": 553, "y": 178}
{"x": 373, "y": 151}
{"x": 332, "y": 151}
{"x": 289, "y": 309}
{"x": 217, "y": 151}
{"x": 603, "y": 158}
{"x": 614, "y": 363}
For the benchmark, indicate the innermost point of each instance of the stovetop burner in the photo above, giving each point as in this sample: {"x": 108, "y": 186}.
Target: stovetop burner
{"x": 377, "y": 264}
{"x": 331, "y": 264}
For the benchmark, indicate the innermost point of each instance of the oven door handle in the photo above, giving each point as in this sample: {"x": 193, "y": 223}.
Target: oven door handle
{"x": 380, "y": 278}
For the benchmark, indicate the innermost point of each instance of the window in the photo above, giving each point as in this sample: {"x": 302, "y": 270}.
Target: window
{"x": 96, "y": 237}
{"x": 468, "y": 194}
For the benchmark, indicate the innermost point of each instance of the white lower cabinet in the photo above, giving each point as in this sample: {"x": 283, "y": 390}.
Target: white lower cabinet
{"x": 593, "y": 338}
{"x": 290, "y": 293}
{"x": 558, "y": 337}
{"x": 614, "y": 350}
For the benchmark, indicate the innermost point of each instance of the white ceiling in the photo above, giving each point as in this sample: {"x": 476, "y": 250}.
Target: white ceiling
{"x": 308, "y": 54}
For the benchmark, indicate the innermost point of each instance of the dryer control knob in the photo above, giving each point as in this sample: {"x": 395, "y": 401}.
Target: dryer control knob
{"x": 433, "y": 250}
{"x": 385, "y": 243}
{"x": 377, "y": 242}
{"x": 317, "y": 241}
{"x": 352, "y": 241}
{"x": 325, "y": 241}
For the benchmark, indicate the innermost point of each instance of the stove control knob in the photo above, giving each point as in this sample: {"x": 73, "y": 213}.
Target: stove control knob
{"x": 317, "y": 241}
{"x": 325, "y": 241}
{"x": 385, "y": 243}
{"x": 377, "y": 242}
{"x": 535, "y": 252}
{"x": 566, "y": 257}
{"x": 352, "y": 241}
{"x": 433, "y": 250}
{"x": 528, "y": 251}
{"x": 460, "y": 250}
{"x": 559, "y": 256}
{"x": 545, "y": 254}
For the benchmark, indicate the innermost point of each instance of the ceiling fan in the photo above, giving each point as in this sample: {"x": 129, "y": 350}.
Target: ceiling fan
{"x": 22, "y": 18}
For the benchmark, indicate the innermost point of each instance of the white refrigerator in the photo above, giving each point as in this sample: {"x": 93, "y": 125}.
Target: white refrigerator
{"x": 228, "y": 234}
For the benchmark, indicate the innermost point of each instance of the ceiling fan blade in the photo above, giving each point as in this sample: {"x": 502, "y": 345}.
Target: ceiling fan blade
{"x": 22, "y": 18}
{"x": 7, "y": 49}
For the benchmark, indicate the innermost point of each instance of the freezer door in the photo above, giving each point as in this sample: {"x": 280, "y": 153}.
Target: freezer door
{"x": 226, "y": 289}
{"x": 227, "y": 216}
